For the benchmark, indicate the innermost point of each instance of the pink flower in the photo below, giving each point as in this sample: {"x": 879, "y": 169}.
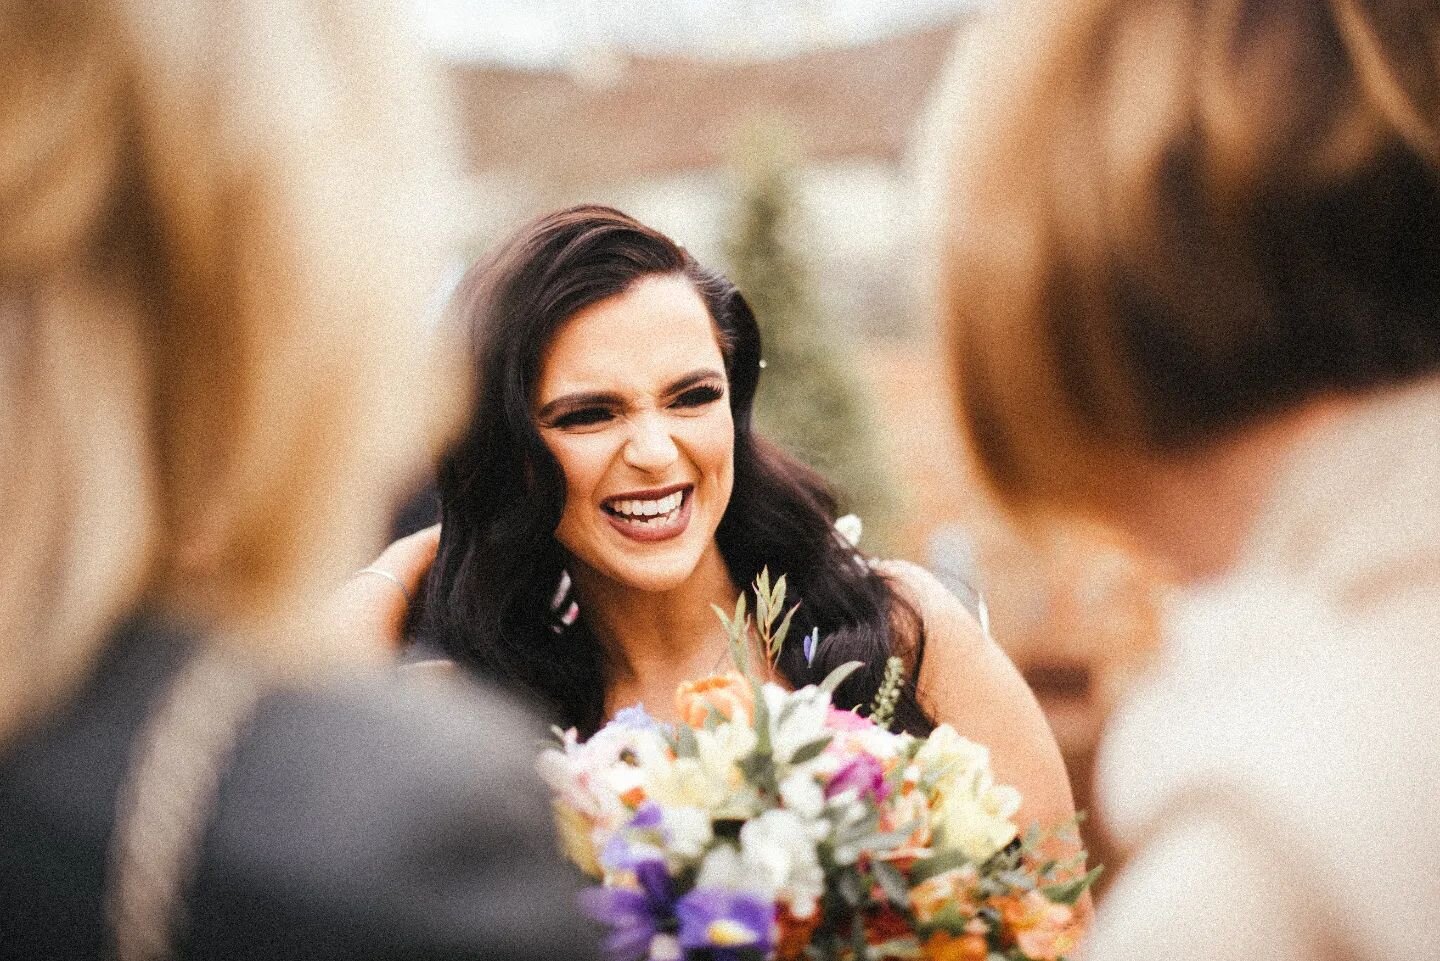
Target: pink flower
{"x": 838, "y": 720}
{"x": 862, "y": 773}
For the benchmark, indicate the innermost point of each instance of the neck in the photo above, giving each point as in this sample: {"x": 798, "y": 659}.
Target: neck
{"x": 659, "y": 636}
{"x": 1194, "y": 515}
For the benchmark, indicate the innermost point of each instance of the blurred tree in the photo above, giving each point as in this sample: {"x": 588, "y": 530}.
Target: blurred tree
{"x": 814, "y": 397}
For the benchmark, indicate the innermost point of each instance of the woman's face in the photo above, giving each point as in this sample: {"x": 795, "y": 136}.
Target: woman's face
{"x": 632, "y": 403}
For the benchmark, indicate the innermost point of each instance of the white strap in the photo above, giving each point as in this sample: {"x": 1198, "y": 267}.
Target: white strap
{"x": 165, "y": 804}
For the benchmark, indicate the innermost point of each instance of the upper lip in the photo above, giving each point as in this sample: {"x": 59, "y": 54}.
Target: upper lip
{"x": 652, "y": 494}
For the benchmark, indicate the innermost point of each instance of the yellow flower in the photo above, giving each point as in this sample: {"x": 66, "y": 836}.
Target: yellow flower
{"x": 575, "y": 839}
{"x": 976, "y": 826}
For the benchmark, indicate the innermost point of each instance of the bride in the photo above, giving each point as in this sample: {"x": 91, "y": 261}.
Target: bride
{"x": 610, "y": 488}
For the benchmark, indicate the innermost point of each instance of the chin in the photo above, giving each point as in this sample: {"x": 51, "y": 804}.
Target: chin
{"x": 655, "y": 577}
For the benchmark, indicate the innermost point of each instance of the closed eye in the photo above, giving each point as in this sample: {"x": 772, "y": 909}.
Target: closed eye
{"x": 699, "y": 396}
{"x": 583, "y": 417}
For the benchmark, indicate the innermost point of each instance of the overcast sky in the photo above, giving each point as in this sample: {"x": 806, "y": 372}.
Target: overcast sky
{"x": 551, "y": 32}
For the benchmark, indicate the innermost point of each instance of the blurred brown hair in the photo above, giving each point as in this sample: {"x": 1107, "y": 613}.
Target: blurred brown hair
{"x": 1169, "y": 221}
{"x": 216, "y": 241}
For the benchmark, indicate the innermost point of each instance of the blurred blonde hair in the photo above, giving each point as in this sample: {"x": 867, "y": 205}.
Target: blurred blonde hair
{"x": 216, "y": 241}
{"x": 1168, "y": 221}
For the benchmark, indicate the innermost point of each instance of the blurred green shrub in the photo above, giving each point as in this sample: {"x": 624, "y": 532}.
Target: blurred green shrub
{"x": 814, "y": 397}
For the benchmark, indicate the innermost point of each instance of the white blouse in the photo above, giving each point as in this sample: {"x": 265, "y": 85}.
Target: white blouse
{"x": 1279, "y": 775}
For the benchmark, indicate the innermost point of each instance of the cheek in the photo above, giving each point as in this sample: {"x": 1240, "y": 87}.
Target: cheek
{"x": 581, "y": 464}
{"x": 715, "y": 450}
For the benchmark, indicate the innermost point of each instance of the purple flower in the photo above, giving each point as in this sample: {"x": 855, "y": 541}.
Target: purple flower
{"x": 811, "y": 642}
{"x": 648, "y": 815}
{"x": 862, "y": 773}
{"x": 725, "y": 922}
{"x": 623, "y": 853}
{"x": 633, "y": 917}
{"x": 634, "y": 718}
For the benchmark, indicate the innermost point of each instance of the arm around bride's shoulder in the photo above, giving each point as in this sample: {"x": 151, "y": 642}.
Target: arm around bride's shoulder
{"x": 968, "y": 682}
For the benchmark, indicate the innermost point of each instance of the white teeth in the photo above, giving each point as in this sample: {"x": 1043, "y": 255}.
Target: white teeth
{"x": 649, "y": 510}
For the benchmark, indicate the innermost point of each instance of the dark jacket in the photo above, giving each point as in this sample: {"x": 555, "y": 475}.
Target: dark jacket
{"x": 368, "y": 818}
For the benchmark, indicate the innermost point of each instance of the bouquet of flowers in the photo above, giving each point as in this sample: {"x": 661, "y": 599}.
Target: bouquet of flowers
{"x": 771, "y": 824}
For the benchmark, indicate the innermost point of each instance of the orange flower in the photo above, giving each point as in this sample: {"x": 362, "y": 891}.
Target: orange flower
{"x": 728, "y": 695}
{"x": 947, "y": 889}
{"x": 943, "y": 946}
{"x": 1041, "y": 928}
{"x": 884, "y": 925}
{"x": 795, "y": 933}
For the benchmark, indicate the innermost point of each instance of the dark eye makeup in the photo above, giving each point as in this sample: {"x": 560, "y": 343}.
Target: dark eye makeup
{"x": 583, "y": 417}
{"x": 601, "y": 410}
{"x": 699, "y": 396}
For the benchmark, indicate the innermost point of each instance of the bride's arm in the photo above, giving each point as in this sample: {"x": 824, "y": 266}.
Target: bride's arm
{"x": 968, "y": 682}
{"x": 371, "y": 607}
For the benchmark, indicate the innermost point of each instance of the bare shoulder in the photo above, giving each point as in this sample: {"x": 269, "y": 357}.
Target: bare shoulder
{"x": 967, "y": 681}
{"x": 940, "y": 609}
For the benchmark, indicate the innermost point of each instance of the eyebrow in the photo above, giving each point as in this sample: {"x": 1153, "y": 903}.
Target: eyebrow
{"x": 602, "y": 398}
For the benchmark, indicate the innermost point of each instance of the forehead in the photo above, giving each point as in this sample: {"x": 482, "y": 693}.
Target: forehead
{"x": 637, "y": 341}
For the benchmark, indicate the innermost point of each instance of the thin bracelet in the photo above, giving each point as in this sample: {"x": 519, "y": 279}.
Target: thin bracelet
{"x": 389, "y": 577}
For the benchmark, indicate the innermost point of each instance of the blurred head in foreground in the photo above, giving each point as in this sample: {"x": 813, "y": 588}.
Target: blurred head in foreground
{"x": 213, "y": 253}
{"x": 1176, "y": 225}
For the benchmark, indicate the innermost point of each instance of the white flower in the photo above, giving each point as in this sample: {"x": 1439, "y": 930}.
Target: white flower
{"x": 711, "y": 780}
{"x": 781, "y": 845}
{"x": 725, "y": 869}
{"x": 796, "y": 718}
{"x": 849, "y": 528}
{"x": 688, "y": 831}
{"x": 801, "y": 792}
{"x": 951, "y": 759}
{"x": 666, "y": 947}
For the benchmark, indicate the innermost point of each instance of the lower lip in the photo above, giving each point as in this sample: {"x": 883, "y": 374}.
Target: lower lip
{"x": 649, "y": 533}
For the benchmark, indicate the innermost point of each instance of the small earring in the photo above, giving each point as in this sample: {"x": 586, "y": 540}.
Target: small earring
{"x": 563, "y": 610}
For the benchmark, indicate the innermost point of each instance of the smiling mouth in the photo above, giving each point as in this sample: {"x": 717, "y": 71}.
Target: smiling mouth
{"x": 650, "y": 515}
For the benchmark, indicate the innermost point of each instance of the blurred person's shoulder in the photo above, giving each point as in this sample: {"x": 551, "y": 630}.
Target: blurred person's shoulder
{"x": 378, "y": 814}
{"x": 387, "y": 814}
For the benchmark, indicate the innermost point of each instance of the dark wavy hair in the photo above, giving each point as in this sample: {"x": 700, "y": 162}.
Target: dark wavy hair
{"x": 489, "y": 597}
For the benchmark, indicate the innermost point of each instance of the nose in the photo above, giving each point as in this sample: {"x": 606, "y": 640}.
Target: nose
{"x": 650, "y": 447}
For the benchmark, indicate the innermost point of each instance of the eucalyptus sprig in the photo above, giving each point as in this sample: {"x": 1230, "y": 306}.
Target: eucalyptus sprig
{"x": 737, "y": 634}
{"x": 882, "y": 708}
{"x": 769, "y": 603}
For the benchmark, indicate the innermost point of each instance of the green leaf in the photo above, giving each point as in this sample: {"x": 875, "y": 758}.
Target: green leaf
{"x": 759, "y": 769}
{"x": 781, "y": 633}
{"x": 1070, "y": 892}
{"x": 777, "y": 596}
{"x": 762, "y": 724}
{"x": 937, "y": 864}
{"x": 837, "y": 677}
{"x": 851, "y": 891}
{"x": 892, "y": 882}
{"x": 685, "y": 743}
{"x": 872, "y": 841}
{"x": 811, "y": 750}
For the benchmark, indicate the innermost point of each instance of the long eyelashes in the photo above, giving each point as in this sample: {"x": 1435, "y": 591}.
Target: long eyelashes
{"x": 593, "y": 416}
{"x": 584, "y": 417}
{"x": 699, "y": 396}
